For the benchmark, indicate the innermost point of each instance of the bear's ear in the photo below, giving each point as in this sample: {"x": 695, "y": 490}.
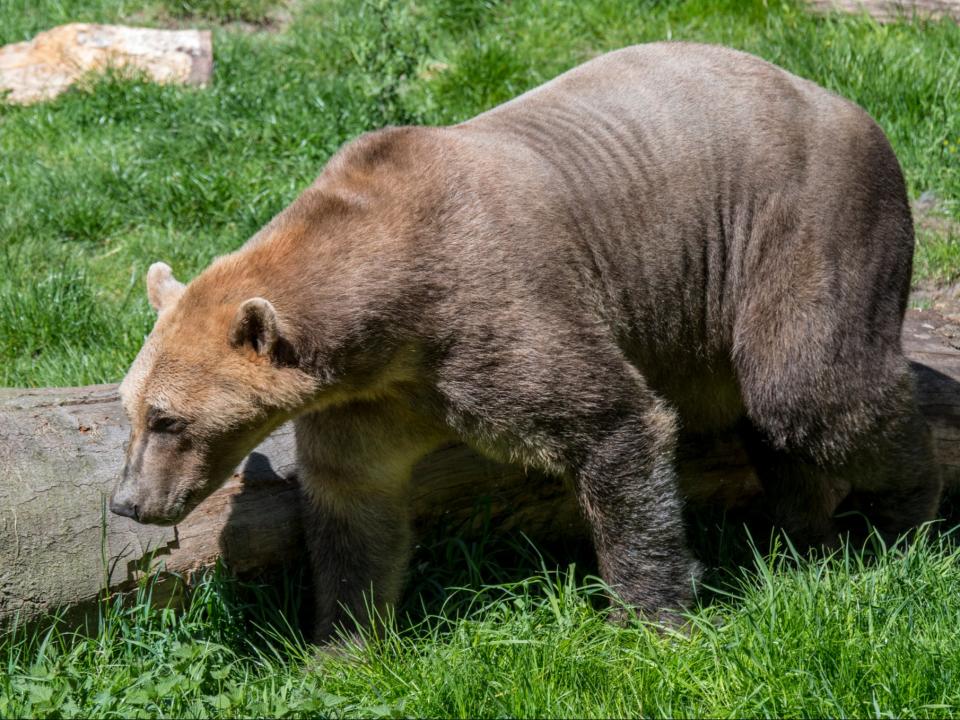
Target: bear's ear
{"x": 255, "y": 325}
{"x": 163, "y": 289}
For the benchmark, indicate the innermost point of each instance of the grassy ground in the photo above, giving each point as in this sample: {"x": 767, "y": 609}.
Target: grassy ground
{"x": 836, "y": 638}
{"x": 119, "y": 173}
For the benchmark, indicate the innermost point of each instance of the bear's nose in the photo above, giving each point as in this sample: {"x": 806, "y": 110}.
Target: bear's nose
{"x": 124, "y": 508}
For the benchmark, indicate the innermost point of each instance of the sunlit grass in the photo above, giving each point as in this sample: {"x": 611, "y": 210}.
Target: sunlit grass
{"x": 119, "y": 173}
{"x": 847, "y": 636}
{"x": 937, "y": 257}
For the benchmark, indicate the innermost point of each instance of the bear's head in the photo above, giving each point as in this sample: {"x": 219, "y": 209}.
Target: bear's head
{"x": 215, "y": 376}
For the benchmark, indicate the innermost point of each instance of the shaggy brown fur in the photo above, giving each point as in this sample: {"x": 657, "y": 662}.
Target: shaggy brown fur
{"x": 670, "y": 237}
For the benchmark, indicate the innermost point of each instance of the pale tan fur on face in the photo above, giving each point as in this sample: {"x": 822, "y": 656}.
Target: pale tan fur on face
{"x": 227, "y": 395}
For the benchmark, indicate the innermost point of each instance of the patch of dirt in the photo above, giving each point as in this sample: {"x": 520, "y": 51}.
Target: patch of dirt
{"x": 945, "y": 299}
{"x": 885, "y": 11}
{"x": 942, "y": 297}
{"x": 928, "y": 214}
{"x": 276, "y": 20}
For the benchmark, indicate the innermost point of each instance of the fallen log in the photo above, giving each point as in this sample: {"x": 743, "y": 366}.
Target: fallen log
{"x": 62, "y": 448}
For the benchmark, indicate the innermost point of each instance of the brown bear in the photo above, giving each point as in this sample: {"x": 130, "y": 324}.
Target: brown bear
{"x": 671, "y": 236}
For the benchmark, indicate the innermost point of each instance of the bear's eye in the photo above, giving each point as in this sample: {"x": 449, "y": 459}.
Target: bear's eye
{"x": 164, "y": 423}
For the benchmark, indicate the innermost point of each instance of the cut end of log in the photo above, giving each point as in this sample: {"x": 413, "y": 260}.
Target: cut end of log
{"x": 42, "y": 68}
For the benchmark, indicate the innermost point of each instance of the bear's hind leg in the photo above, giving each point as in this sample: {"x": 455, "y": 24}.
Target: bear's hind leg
{"x": 836, "y": 417}
{"x": 800, "y": 495}
{"x": 898, "y": 487}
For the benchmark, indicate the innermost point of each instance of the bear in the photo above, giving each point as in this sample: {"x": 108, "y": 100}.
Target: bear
{"x": 669, "y": 238}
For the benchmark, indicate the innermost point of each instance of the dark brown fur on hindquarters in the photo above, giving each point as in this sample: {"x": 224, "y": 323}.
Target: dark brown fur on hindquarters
{"x": 885, "y": 483}
{"x": 669, "y": 236}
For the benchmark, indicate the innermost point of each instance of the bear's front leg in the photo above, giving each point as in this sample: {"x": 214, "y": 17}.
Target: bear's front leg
{"x": 584, "y": 412}
{"x": 628, "y": 490}
{"x": 354, "y": 468}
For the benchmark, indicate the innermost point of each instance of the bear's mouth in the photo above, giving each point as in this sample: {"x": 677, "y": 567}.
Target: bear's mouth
{"x": 186, "y": 504}
{"x": 183, "y": 506}
{"x": 174, "y": 514}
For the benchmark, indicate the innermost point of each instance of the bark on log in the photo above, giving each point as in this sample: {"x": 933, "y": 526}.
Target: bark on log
{"x": 62, "y": 448}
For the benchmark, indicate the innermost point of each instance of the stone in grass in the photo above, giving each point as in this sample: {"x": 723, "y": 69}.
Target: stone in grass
{"x": 42, "y": 68}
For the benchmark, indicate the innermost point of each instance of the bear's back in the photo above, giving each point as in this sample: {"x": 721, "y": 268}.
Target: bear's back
{"x": 680, "y": 188}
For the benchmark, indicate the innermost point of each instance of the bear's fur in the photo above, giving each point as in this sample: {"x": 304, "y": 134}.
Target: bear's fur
{"x": 670, "y": 237}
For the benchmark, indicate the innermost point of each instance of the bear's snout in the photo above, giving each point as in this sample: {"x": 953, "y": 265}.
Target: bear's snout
{"x": 121, "y": 503}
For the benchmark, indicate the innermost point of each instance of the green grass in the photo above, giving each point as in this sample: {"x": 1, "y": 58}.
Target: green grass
{"x": 250, "y": 11}
{"x": 937, "y": 257}
{"x": 836, "y": 638}
{"x": 119, "y": 173}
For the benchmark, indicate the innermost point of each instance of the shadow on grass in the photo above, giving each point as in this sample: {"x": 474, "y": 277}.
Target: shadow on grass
{"x": 448, "y": 574}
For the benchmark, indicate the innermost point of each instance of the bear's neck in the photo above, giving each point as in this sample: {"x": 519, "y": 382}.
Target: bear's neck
{"x": 338, "y": 274}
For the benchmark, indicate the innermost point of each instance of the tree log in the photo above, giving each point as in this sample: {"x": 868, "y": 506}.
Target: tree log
{"x": 62, "y": 448}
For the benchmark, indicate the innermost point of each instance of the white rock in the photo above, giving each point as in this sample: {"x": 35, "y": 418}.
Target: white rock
{"x": 44, "y": 67}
